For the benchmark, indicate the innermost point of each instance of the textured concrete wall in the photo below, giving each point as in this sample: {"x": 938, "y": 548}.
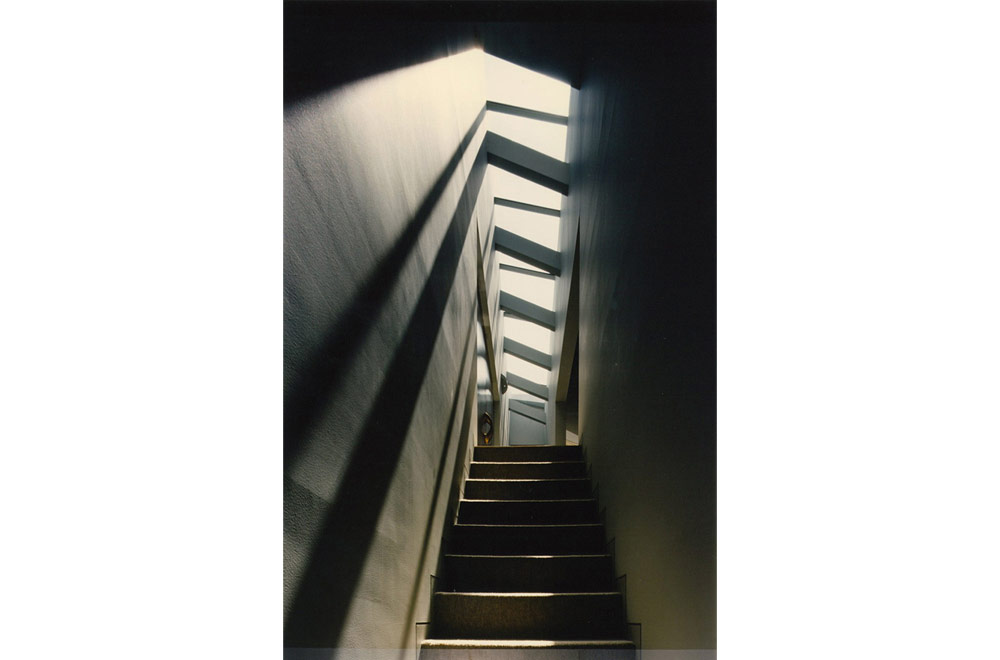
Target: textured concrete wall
{"x": 380, "y": 301}
{"x": 643, "y": 157}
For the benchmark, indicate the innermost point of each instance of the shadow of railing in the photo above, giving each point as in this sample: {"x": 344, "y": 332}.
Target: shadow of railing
{"x": 460, "y": 402}
{"x": 323, "y": 371}
{"x": 320, "y": 606}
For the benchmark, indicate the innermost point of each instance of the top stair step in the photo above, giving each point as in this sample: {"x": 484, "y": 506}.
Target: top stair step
{"x": 529, "y": 453}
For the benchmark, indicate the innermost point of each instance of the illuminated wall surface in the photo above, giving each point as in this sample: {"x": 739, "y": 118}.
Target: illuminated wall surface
{"x": 395, "y": 218}
{"x": 376, "y": 273}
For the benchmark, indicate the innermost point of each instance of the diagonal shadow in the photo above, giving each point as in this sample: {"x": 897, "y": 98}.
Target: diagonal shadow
{"x": 323, "y": 370}
{"x": 320, "y": 607}
{"x": 460, "y": 402}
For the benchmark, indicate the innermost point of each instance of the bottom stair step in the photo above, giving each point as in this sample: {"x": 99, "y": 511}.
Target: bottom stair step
{"x": 545, "y": 616}
{"x": 526, "y": 649}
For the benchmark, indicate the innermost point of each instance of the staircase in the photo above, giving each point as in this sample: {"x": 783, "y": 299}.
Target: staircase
{"x": 527, "y": 574}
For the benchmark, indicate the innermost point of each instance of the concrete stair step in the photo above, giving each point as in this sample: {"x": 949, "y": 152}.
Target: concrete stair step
{"x": 523, "y": 573}
{"x": 586, "y": 538}
{"x": 527, "y": 489}
{"x": 537, "y": 512}
{"x": 526, "y": 649}
{"x": 528, "y": 643}
{"x": 528, "y": 470}
{"x": 548, "y": 616}
{"x": 529, "y": 453}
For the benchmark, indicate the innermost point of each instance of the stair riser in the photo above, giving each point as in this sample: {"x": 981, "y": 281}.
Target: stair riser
{"x": 585, "y": 616}
{"x": 550, "y": 574}
{"x": 527, "y": 540}
{"x": 550, "y": 453}
{"x": 526, "y": 490}
{"x": 527, "y": 654}
{"x": 527, "y": 513}
{"x": 527, "y": 470}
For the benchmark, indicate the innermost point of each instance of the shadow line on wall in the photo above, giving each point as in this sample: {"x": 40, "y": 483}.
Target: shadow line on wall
{"x": 321, "y": 373}
{"x": 320, "y": 606}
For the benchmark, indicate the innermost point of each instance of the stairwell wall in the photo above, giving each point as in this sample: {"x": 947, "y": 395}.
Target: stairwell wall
{"x": 380, "y": 299}
{"x": 642, "y": 140}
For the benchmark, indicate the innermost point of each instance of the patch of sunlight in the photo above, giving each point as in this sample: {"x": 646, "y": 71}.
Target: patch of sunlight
{"x": 540, "y": 291}
{"x": 525, "y": 369}
{"x": 535, "y": 402}
{"x": 508, "y": 260}
{"x": 537, "y": 227}
{"x": 526, "y": 397}
{"x": 495, "y": 643}
{"x": 510, "y": 186}
{"x": 543, "y": 136}
{"x": 528, "y": 333}
{"x": 509, "y": 83}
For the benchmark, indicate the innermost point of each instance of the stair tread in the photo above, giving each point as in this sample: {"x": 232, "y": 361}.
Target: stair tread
{"x": 527, "y": 594}
{"x": 528, "y": 525}
{"x": 566, "y": 499}
{"x": 528, "y": 567}
{"x": 520, "y": 470}
{"x": 528, "y": 480}
{"x": 527, "y": 556}
{"x": 527, "y": 643}
{"x": 522, "y": 462}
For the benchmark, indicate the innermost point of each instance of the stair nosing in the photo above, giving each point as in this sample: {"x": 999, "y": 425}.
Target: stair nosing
{"x": 526, "y": 480}
{"x": 475, "y": 462}
{"x": 468, "y": 556}
{"x": 529, "y": 525}
{"x": 462, "y": 643}
{"x": 526, "y": 594}
{"x": 571, "y": 499}
{"x": 534, "y": 446}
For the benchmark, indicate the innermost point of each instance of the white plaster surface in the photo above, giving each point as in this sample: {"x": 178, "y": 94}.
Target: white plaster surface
{"x": 358, "y": 163}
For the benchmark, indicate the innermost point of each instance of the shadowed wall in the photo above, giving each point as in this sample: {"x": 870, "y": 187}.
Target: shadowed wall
{"x": 643, "y": 141}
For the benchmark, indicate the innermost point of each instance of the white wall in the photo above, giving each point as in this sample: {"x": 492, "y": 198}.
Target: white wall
{"x": 380, "y": 288}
